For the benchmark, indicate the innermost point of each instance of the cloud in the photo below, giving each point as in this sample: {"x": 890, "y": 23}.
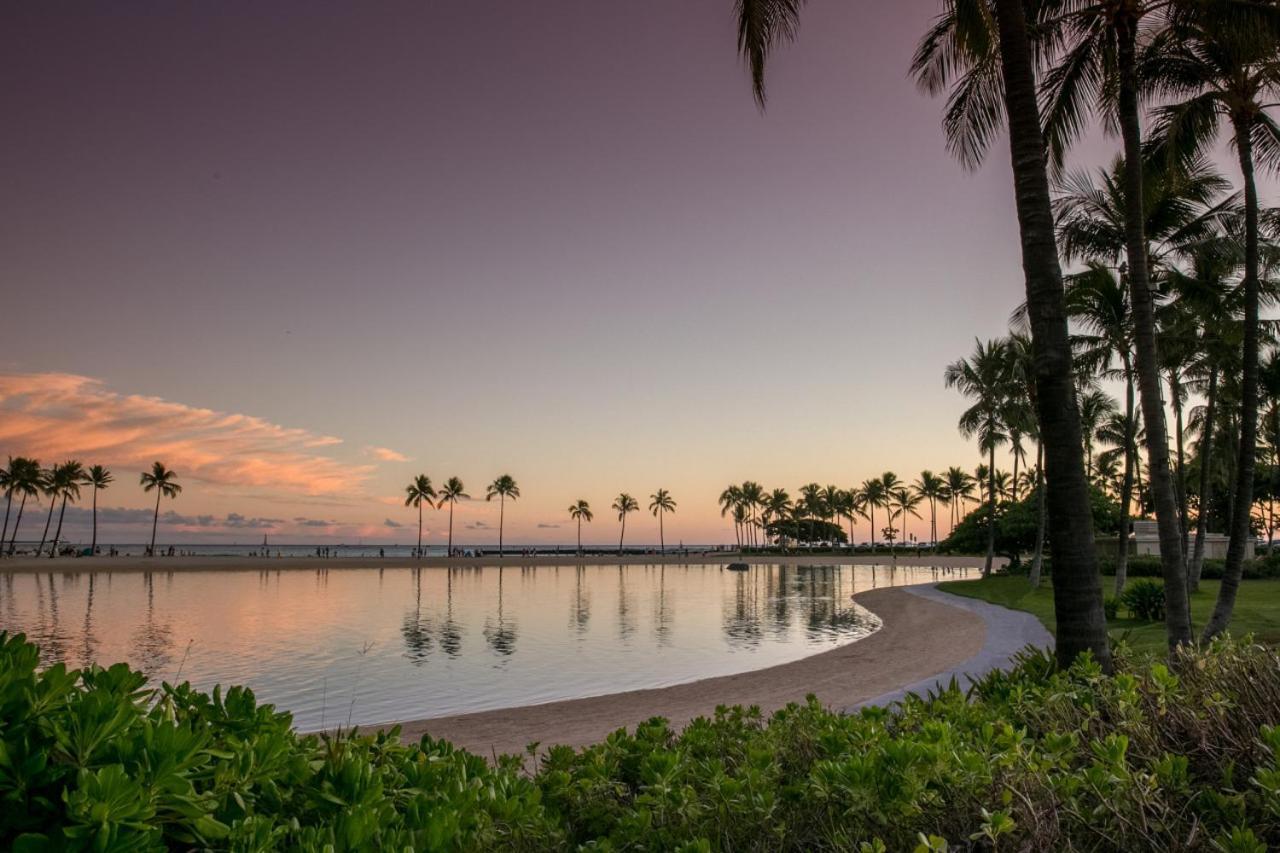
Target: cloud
{"x": 386, "y": 454}
{"x": 477, "y": 525}
{"x": 235, "y": 519}
{"x": 545, "y": 526}
{"x": 313, "y": 522}
{"x": 392, "y": 524}
{"x": 56, "y": 415}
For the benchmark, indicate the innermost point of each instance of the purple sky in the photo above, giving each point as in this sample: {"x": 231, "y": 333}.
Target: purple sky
{"x": 557, "y": 239}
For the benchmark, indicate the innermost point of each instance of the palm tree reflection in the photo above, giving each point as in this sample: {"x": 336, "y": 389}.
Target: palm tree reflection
{"x": 501, "y": 636}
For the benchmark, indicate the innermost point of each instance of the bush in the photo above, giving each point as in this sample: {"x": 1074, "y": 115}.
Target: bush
{"x": 1144, "y": 599}
{"x": 1152, "y": 758}
{"x": 1111, "y": 607}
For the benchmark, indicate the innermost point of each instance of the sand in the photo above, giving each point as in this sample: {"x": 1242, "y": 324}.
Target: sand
{"x": 920, "y": 638}
{"x": 259, "y": 564}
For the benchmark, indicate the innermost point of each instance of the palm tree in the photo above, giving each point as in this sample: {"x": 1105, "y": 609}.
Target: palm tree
{"x": 1227, "y": 68}
{"x": 161, "y": 480}
{"x": 931, "y": 488}
{"x": 72, "y": 476}
{"x": 753, "y": 496}
{"x": 25, "y": 478}
{"x": 730, "y": 501}
{"x": 579, "y": 512}
{"x": 1096, "y": 407}
{"x": 502, "y": 488}
{"x": 960, "y": 487}
{"x": 811, "y": 501}
{"x": 981, "y": 49}
{"x": 905, "y": 501}
{"x": 419, "y": 490}
{"x": 984, "y": 378}
{"x": 778, "y": 506}
{"x": 98, "y": 478}
{"x": 873, "y": 495}
{"x": 450, "y": 493}
{"x": 51, "y": 482}
{"x": 8, "y": 476}
{"x": 622, "y": 505}
{"x": 660, "y": 503}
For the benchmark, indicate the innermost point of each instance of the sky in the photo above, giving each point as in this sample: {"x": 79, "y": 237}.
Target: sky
{"x": 303, "y": 251}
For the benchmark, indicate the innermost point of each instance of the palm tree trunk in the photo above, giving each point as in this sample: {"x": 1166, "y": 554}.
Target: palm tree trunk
{"x": 662, "y": 537}
{"x": 1243, "y": 500}
{"x": 502, "y": 517}
{"x": 1037, "y": 560}
{"x": 155, "y": 521}
{"x": 451, "y": 503}
{"x": 1206, "y": 452}
{"x": 622, "y": 533}
{"x": 1184, "y": 522}
{"x": 57, "y": 537}
{"x": 419, "y": 551}
{"x": 991, "y": 513}
{"x": 8, "y": 504}
{"x": 1014, "y": 482}
{"x": 1126, "y": 485}
{"x": 93, "y": 547}
{"x": 579, "y": 536}
{"x": 44, "y": 537}
{"x": 1077, "y": 599}
{"x": 1159, "y": 478}
{"x": 13, "y": 538}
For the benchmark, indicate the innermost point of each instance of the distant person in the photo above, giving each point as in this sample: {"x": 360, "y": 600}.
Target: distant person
{"x": 381, "y": 553}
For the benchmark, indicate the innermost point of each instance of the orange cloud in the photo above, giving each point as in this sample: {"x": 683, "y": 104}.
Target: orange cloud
{"x": 58, "y": 415}
{"x": 386, "y": 454}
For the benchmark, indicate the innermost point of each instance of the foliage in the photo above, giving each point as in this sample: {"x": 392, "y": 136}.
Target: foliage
{"x": 807, "y": 530}
{"x": 1144, "y": 599}
{"x": 1031, "y": 759}
{"x": 1016, "y": 525}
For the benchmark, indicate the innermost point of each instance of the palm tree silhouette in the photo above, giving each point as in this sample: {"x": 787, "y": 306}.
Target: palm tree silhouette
{"x": 661, "y": 503}
{"x": 161, "y": 480}
{"x": 25, "y": 477}
{"x": 502, "y": 488}
{"x": 778, "y": 508}
{"x": 579, "y": 512}
{"x": 932, "y": 488}
{"x": 97, "y": 478}
{"x": 984, "y": 377}
{"x": 8, "y": 475}
{"x": 50, "y": 487}
{"x": 959, "y": 490}
{"x": 873, "y": 495}
{"x": 1228, "y": 77}
{"x": 731, "y": 502}
{"x": 450, "y": 493}
{"x": 622, "y": 505}
{"x": 72, "y": 477}
{"x": 416, "y": 492}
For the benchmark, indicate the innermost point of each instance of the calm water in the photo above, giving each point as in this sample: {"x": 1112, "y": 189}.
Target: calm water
{"x": 374, "y": 645}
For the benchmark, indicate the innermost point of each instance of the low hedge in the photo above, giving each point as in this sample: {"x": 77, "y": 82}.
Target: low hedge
{"x": 1033, "y": 759}
{"x": 1262, "y": 568}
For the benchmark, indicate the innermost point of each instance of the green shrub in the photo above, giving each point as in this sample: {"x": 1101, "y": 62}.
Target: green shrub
{"x": 1152, "y": 758}
{"x": 1111, "y": 607}
{"x": 1144, "y": 599}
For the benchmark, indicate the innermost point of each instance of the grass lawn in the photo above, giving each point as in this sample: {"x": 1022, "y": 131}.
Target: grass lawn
{"x": 1257, "y": 608}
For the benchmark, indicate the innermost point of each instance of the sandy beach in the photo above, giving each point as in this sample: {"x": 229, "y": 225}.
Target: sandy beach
{"x": 921, "y": 638}
{"x": 261, "y": 564}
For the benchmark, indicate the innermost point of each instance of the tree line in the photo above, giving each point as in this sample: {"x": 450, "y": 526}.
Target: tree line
{"x": 1193, "y": 72}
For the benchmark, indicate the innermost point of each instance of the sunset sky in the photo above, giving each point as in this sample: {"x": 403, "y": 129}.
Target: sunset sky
{"x": 303, "y": 251}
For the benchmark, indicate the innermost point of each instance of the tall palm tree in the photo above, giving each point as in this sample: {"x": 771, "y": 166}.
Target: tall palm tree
{"x": 502, "y": 488}
{"x": 8, "y": 475}
{"x": 163, "y": 482}
{"x": 580, "y": 512}
{"x": 418, "y": 491}
{"x": 811, "y": 501}
{"x": 753, "y": 495}
{"x": 931, "y": 488}
{"x": 661, "y": 503}
{"x": 981, "y": 50}
{"x": 25, "y": 478}
{"x": 450, "y": 493}
{"x": 50, "y": 486}
{"x": 1224, "y": 71}
{"x": 984, "y": 377}
{"x": 622, "y": 505}
{"x": 72, "y": 476}
{"x": 97, "y": 478}
{"x": 1096, "y": 407}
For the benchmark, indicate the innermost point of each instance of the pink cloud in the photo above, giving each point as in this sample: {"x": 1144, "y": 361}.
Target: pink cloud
{"x": 58, "y": 415}
{"x": 386, "y": 454}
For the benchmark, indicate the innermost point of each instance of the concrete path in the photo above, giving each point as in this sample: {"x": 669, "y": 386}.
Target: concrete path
{"x": 1008, "y": 632}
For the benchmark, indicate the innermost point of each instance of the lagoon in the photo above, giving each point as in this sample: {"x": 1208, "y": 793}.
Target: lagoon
{"x": 363, "y": 646}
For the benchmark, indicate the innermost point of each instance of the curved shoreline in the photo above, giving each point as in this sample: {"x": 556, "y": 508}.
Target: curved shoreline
{"x": 921, "y": 637}
{"x": 265, "y": 564}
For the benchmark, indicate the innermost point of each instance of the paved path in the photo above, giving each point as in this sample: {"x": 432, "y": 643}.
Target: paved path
{"x": 1008, "y": 632}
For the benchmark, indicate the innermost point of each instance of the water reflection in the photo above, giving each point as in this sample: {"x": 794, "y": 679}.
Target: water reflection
{"x": 397, "y": 643}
